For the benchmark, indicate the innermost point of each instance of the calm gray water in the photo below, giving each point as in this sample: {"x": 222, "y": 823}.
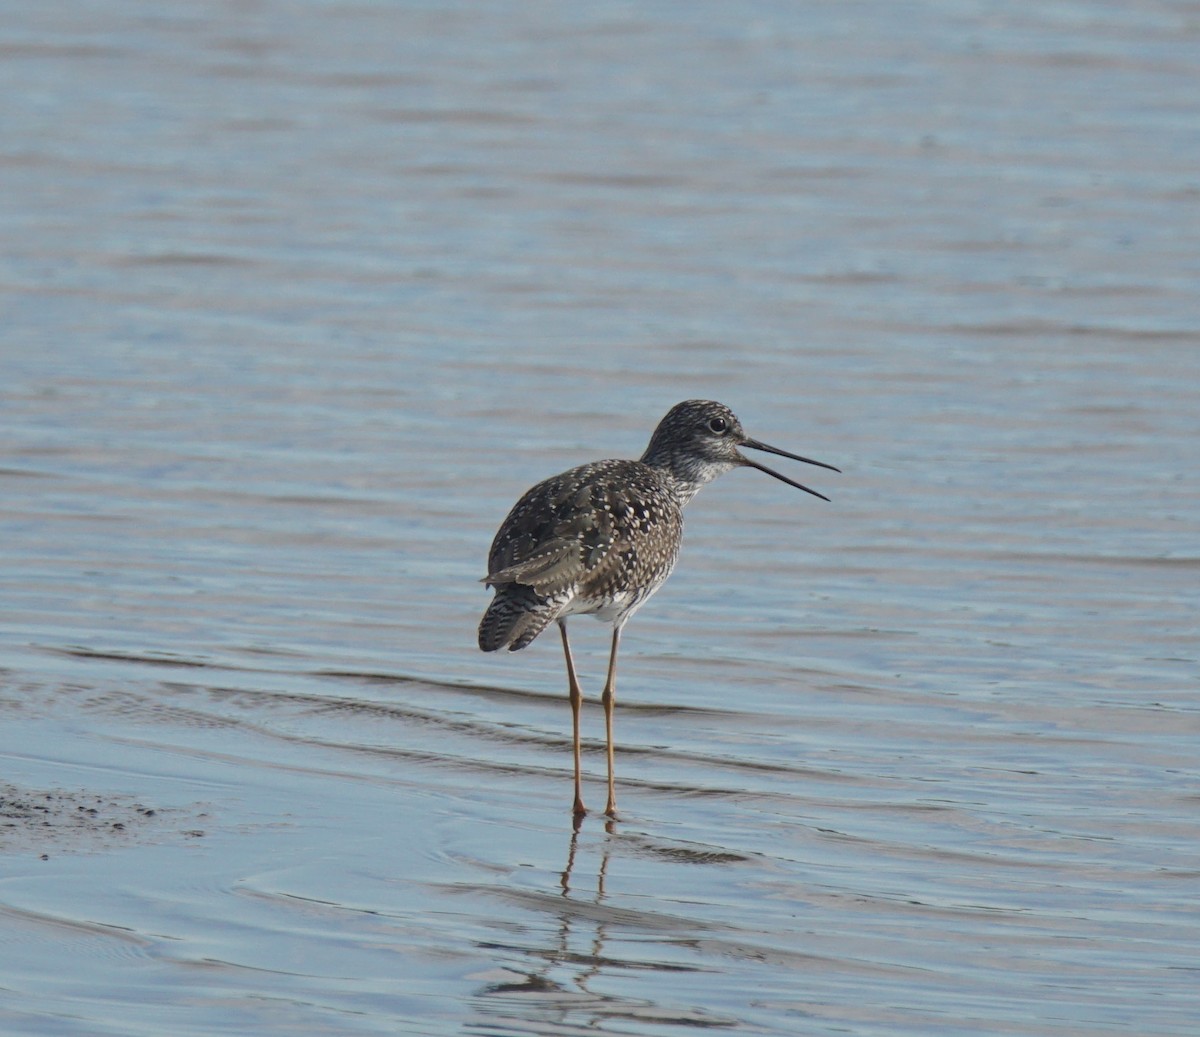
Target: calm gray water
{"x": 299, "y": 297}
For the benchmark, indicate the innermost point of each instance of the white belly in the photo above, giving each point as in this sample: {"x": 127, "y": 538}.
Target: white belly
{"x": 608, "y": 610}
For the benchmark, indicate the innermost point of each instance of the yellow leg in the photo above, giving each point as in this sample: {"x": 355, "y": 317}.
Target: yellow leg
{"x": 609, "y": 698}
{"x": 576, "y": 701}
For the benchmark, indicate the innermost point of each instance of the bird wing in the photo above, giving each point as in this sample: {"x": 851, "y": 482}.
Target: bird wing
{"x": 553, "y": 568}
{"x": 583, "y": 526}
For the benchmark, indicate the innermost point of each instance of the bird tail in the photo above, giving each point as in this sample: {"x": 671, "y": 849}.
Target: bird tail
{"x": 515, "y": 617}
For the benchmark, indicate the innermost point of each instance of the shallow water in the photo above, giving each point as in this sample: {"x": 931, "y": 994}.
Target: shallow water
{"x": 301, "y": 297}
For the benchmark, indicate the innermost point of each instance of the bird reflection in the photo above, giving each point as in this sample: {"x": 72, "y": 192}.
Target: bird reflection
{"x": 557, "y": 993}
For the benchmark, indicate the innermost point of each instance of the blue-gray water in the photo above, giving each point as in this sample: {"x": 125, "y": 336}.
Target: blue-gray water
{"x": 299, "y": 297}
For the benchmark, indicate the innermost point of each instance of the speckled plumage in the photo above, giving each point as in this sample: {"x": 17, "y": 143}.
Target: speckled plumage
{"x": 598, "y": 539}
{"x": 602, "y": 538}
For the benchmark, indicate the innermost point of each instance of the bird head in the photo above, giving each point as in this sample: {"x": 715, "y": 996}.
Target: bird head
{"x": 698, "y": 440}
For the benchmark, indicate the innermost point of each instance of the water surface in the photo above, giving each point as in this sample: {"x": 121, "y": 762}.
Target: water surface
{"x": 301, "y": 297}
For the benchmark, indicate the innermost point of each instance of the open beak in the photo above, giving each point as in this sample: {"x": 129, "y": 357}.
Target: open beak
{"x": 754, "y": 444}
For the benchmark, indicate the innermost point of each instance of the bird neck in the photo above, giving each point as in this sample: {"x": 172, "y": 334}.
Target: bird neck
{"x": 684, "y": 473}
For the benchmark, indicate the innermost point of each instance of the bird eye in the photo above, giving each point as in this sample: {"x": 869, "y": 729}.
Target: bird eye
{"x": 718, "y": 425}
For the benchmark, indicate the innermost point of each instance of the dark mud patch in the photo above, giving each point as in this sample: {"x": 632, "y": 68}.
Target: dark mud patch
{"x": 64, "y": 821}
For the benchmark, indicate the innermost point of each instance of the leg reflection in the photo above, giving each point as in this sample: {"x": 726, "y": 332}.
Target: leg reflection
{"x": 557, "y": 992}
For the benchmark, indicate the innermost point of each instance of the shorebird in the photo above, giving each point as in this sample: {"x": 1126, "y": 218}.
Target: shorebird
{"x": 601, "y": 538}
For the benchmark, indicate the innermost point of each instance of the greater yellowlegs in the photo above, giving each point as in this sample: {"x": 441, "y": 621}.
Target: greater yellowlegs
{"x": 600, "y": 539}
